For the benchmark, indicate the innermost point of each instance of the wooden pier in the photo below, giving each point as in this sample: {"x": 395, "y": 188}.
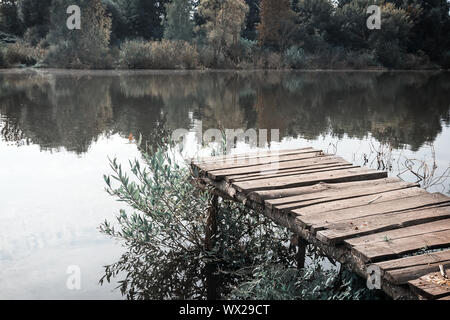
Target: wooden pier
{"x": 357, "y": 216}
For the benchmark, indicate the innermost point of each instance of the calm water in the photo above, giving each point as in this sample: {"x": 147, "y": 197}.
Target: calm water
{"x": 57, "y": 130}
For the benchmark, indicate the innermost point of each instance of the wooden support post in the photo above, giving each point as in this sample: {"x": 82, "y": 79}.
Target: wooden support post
{"x": 301, "y": 252}
{"x": 211, "y": 223}
{"x": 210, "y": 233}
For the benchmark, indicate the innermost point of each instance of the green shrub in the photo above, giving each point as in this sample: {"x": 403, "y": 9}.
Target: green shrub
{"x": 274, "y": 61}
{"x": 65, "y": 55}
{"x": 361, "y": 60}
{"x": 269, "y": 283}
{"x": 135, "y": 54}
{"x": 164, "y": 232}
{"x": 86, "y": 48}
{"x": 20, "y": 53}
{"x": 272, "y": 282}
{"x": 188, "y": 55}
{"x": 165, "y": 54}
{"x": 328, "y": 58}
{"x": 244, "y": 54}
{"x": 295, "y": 57}
{"x": 418, "y": 61}
{"x": 248, "y": 46}
{"x": 389, "y": 54}
{"x": 206, "y": 56}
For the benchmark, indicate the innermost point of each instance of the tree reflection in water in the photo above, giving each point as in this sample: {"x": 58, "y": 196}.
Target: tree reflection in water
{"x": 70, "y": 110}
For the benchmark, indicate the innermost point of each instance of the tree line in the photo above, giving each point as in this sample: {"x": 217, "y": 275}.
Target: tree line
{"x": 226, "y": 34}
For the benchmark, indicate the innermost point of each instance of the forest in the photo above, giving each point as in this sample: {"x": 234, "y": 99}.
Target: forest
{"x": 225, "y": 34}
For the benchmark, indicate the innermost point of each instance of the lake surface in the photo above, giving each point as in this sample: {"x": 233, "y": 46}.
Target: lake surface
{"x": 57, "y": 130}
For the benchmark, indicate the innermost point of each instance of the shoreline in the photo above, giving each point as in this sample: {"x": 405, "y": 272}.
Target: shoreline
{"x": 186, "y": 71}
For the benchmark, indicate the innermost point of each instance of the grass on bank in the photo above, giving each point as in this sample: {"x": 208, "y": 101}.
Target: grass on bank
{"x": 178, "y": 54}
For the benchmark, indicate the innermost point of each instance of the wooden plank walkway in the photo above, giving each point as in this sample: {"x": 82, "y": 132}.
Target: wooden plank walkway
{"x": 355, "y": 215}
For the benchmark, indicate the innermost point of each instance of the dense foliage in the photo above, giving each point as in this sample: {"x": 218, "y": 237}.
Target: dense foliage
{"x": 165, "y": 235}
{"x": 239, "y": 33}
{"x": 88, "y": 47}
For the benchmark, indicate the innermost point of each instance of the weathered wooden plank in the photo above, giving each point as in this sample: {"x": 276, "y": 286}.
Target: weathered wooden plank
{"x": 402, "y": 276}
{"x": 310, "y": 179}
{"x": 248, "y": 162}
{"x": 341, "y": 194}
{"x": 289, "y": 172}
{"x": 252, "y": 154}
{"x": 432, "y": 286}
{"x": 279, "y": 174}
{"x": 260, "y": 196}
{"x": 399, "y": 233}
{"x": 353, "y": 202}
{"x": 390, "y": 244}
{"x": 400, "y": 271}
{"x": 283, "y": 172}
{"x": 337, "y": 232}
{"x": 393, "y": 248}
{"x": 416, "y": 199}
{"x": 256, "y": 169}
{"x": 418, "y": 260}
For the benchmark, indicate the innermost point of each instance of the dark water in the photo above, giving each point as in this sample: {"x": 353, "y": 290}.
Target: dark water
{"x": 58, "y": 128}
